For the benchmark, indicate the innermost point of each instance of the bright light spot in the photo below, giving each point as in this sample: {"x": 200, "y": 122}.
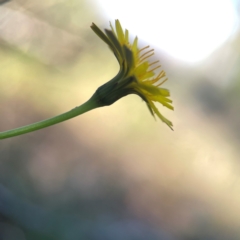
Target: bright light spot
{"x": 188, "y": 30}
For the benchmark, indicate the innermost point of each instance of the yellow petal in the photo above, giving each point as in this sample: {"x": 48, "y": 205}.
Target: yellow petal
{"x": 135, "y": 45}
{"x": 141, "y": 69}
{"x": 165, "y": 120}
{"x": 119, "y": 32}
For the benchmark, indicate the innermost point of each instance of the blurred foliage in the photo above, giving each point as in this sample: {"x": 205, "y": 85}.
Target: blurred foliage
{"x": 113, "y": 173}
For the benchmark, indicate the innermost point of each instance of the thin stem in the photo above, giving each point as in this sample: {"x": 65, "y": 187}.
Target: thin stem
{"x": 87, "y": 106}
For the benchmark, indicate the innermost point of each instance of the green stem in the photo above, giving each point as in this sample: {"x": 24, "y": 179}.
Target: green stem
{"x": 87, "y": 106}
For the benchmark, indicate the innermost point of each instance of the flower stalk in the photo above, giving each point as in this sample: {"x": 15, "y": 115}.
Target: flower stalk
{"x": 87, "y": 106}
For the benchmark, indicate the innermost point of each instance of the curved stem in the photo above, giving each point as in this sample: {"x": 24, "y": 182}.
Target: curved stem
{"x": 87, "y": 106}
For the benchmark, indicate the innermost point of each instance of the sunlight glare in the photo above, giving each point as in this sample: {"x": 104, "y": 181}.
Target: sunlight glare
{"x": 188, "y": 30}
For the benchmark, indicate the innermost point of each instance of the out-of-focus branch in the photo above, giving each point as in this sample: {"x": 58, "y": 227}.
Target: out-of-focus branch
{"x": 3, "y": 1}
{"x": 26, "y": 214}
{"x": 37, "y": 38}
{"x": 37, "y": 219}
{"x": 71, "y": 227}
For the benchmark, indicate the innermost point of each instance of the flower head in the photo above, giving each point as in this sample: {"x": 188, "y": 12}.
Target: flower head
{"x": 136, "y": 75}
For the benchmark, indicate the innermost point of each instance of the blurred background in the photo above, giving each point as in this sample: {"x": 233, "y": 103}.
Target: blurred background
{"x": 115, "y": 172}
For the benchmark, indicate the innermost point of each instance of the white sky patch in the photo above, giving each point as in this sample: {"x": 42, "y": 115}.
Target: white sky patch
{"x": 189, "y": 30}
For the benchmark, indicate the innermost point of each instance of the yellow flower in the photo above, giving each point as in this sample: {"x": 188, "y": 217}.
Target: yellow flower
{"x": 136, "y": 74}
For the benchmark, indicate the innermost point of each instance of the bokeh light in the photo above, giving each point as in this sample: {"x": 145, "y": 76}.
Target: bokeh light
{"x": 188, "y": 30}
